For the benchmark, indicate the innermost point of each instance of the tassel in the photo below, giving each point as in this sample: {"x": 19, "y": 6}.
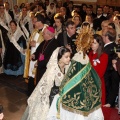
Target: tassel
{"x": 58, "y": 115}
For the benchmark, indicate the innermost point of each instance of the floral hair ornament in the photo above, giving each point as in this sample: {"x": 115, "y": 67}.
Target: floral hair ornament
{"x": 84, "y": 40}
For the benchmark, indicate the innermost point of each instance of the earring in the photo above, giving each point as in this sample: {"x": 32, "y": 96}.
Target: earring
{"x": 60, "y": 61}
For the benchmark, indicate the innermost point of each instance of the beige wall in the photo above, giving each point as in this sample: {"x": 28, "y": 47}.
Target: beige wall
{"x": 21, "y": 1}
{"x": 99, "y": 2}
{"x": 85, "y": 0}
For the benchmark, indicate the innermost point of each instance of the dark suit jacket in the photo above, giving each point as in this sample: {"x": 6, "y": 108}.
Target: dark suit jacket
{"x": 83, "y": 15}
{"x": 68, "y": 12}
{"x": 70, "y": 40}
{"x": 108, "y": 50}
{"x": 111, "y": 76}
{"x": 97, "y": 23}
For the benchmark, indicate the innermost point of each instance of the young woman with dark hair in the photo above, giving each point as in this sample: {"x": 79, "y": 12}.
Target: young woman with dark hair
{"x": 99, "y": 61}
{"x": 48, "y": 86}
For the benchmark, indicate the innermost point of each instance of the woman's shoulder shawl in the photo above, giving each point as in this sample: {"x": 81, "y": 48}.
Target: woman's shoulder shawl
{"x": 38, "y": 102}
{"x": 80, "y": 90}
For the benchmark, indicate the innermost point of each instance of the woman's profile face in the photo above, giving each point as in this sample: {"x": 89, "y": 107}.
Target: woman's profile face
{"x": 95, "y": 45}
{"x": 65, "y": 58}
{"x": 13, "y": 26}
{"x": 58, "y": 23}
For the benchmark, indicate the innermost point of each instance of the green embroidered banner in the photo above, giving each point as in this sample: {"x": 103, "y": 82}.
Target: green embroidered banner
{"x": 80, "y": 90}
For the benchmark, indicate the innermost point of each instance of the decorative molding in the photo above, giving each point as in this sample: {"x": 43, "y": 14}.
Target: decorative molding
{"x": 85, "y": 1}
{"x": 98, "y": 2}
{"x": 109, "y": 2}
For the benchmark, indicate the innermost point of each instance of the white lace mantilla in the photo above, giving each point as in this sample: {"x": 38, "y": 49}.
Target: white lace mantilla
{"x": 14, "y": 37}
{"x": 38, "y": 102}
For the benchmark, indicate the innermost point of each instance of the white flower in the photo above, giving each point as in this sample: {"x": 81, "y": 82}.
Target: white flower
{"x": 95, "y": 61}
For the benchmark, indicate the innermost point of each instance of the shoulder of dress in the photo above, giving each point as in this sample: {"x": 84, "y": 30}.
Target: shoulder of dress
{"x": 104, "y": 57}
{"x": 104, "y": 54}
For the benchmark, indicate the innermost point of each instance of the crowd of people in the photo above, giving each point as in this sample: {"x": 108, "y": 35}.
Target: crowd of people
{"x": 67, "y": 54}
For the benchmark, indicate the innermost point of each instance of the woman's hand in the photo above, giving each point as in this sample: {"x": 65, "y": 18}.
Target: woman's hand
{"x": 32, "y": 57}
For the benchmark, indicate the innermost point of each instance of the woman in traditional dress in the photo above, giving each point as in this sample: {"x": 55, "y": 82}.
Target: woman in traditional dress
{"x": 80, "y": 91}
{"x": 4, "y": 27}
{"x": 51, "y": 10}
{"x": 16, "y": 12}
{"x": 59, "y": 27}
{"x": 15, "y": 51}
{"x": 99, "y": 61}
{"x": 25, "y": 22}
{"x": 39, "y": 102}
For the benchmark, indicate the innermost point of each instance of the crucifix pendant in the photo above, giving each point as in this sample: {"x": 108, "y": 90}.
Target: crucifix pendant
{"x": 41, "y": 57}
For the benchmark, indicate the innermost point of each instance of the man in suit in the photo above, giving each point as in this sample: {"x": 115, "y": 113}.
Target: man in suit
{"x": 67, "y": 38}
{"x": 106, "y": 11}
{"x": 92, "y": 13}
{"x": 69, "y": 9}
{"x": 109, "y": 37}
{"x": 112, "y": 77}
{"x": 98, "y": 20}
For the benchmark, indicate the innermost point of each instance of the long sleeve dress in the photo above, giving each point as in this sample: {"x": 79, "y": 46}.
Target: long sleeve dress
{"x": 100, "y": 66}
{"x": 14, "y": 58}
{"x": 38, "y": 102}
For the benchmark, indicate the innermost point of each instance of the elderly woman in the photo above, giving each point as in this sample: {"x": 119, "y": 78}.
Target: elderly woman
{"x": 59, "y": 21}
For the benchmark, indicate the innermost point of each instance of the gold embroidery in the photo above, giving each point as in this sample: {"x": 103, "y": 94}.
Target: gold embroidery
{"x": 80, "y": 112}
{"x": 86, "y": 100}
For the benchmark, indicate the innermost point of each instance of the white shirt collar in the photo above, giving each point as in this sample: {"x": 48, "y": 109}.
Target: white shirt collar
{"x": 98, "y": 16}
{"x": 105, "y": 15}
{"x": 107, "y": 44}
{"x": 68, "y": 35}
